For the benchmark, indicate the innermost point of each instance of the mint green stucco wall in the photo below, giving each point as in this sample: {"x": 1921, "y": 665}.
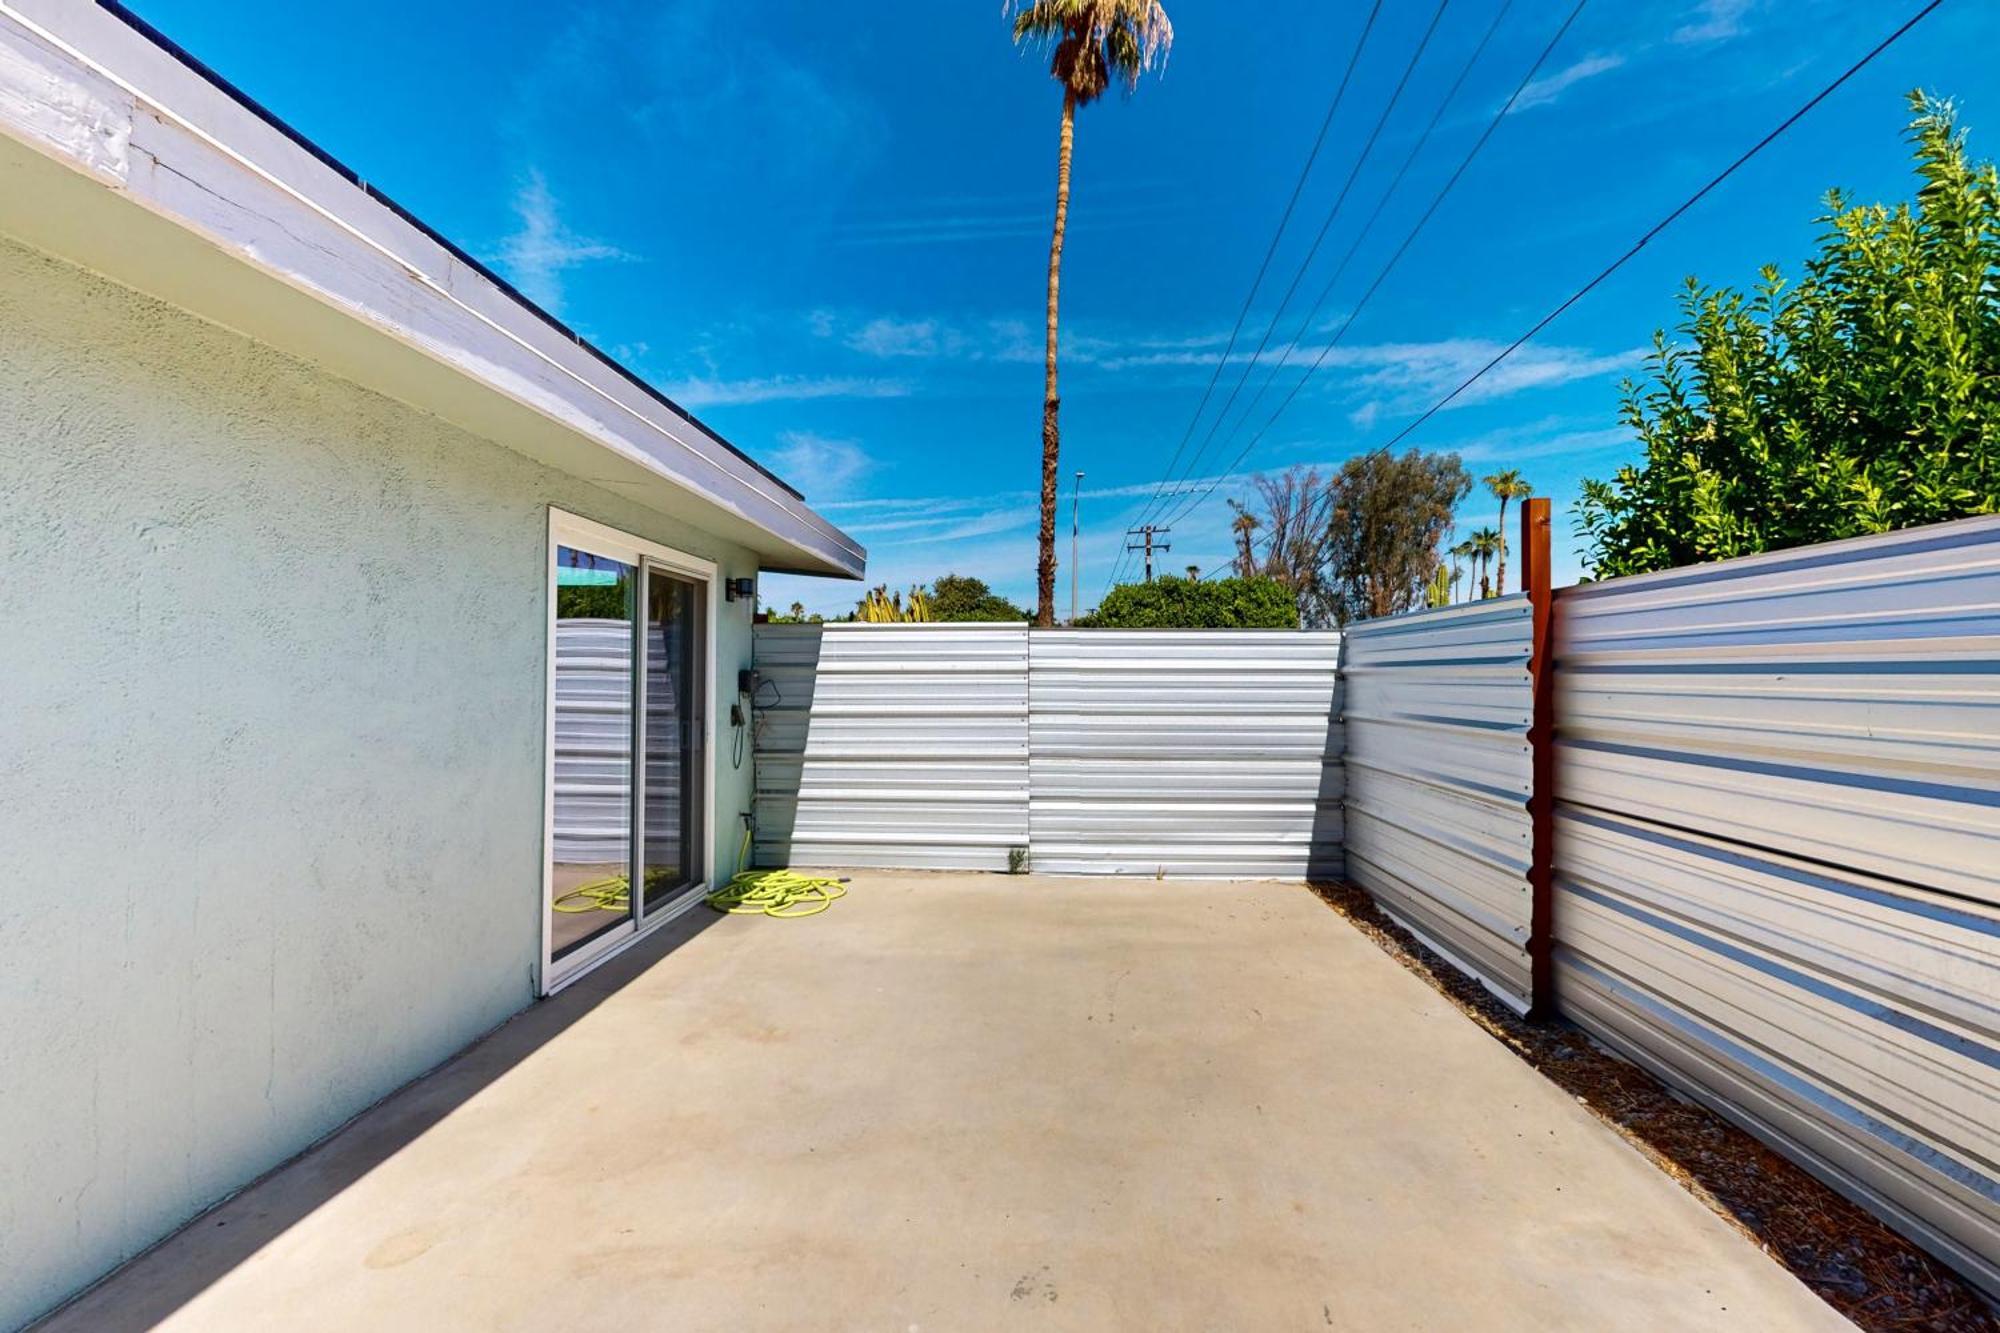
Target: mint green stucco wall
{"x": 271, "y": 757}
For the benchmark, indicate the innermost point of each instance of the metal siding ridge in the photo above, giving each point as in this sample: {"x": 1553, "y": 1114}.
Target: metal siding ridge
{"x": 1201, "y": 752}
{"x": 1778, "y": 857}
{"x": 1439, "y": 778}
{"x": 900, "y": 745}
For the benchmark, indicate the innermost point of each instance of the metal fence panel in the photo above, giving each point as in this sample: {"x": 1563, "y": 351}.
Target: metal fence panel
{"x": 1185, "y": 752}
{"x": 1438, "y": 779}
{"x": 1778, "y": 857}
{"x": 892, "y": 745}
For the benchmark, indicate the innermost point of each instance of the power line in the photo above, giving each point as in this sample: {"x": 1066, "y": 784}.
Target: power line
{"x": 1401, "y": 249}
{"x": 1367, "y": 228}
{"x": 1766, "y": 141}
{"x": 1660, "y": 226}
{"x": 1333, "y": 213}
{"x": 1270, "y": 251}
{"x": 1168, "y": 490}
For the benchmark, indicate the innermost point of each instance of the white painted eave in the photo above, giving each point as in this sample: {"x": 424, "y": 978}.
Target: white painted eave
{"x": 117, "y": 155}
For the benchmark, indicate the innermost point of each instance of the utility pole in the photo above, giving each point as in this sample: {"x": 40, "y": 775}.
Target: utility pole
{"x": 1149, "y": 534}
{"x": 1075, "y": 494}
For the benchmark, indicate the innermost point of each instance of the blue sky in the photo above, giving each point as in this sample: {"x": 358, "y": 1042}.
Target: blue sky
{"x": 828, "y": 235}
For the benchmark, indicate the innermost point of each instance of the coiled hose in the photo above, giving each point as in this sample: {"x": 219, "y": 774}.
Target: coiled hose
{"x": 779, "y": 893}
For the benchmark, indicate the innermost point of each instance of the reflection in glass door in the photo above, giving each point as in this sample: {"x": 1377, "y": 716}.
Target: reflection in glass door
{"x": 674, "y": 692}
{"x": 631, "y": 655}
{"x": 591, "y": 875}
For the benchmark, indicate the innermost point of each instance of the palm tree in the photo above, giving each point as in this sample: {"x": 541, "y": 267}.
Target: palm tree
{"x": 1462, "y": 551}
{"x": 1245, "y": 526}
{"x": 1093, "y": 42}
{"x": 1507, "y": 486}
{"x": 1485, "y": 545}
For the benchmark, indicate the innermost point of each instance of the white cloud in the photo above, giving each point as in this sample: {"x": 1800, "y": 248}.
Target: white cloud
{"x": 1715, "y": 21}
{"x": 1005, "y": 339}
{"x": 1549, "y": 87}
{"x": 1534, "y": 441}
{"x": 708, "y": 391}
{"x": 951, "y": 221}
{"x": 536, "y": 257}
{"x": 904, "y": 337}
{"x": 1430, "y": 370}
{"x": 817, "y": 465}
{"x": 1407, "y": 371}
{"x": 930, "y": 337}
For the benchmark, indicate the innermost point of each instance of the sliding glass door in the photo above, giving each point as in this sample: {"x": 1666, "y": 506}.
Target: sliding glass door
{"x": 629, "y": 737}
{"x": 674, "y": 693}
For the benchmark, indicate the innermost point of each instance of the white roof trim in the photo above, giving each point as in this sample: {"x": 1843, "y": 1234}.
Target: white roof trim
{"x": 80, "y": 85}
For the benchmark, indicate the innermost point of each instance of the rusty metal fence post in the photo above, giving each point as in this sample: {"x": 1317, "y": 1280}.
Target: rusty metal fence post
{"x": 1535, "y": 581}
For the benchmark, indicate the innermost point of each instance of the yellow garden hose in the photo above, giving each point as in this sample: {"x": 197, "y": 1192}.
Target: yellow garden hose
{"x": 779, "y": 893}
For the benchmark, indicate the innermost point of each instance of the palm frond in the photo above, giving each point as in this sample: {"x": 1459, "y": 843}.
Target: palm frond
{"x": 1094, "y": 42}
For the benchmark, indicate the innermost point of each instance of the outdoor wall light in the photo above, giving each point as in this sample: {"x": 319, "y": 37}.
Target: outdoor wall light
{"x": 734, "y": 590}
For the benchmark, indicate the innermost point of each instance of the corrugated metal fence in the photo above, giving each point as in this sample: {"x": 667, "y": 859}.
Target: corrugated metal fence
{"x": 891, "y": 745}
{"x": 1778, "y": 856}
{"x": 1100, "y": 752}
{"x": 1185, "y": 752}
{"x": 1438, "y": 780}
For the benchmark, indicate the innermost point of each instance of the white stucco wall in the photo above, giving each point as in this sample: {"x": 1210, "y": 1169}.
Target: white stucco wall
{"x": 271, "y": 733}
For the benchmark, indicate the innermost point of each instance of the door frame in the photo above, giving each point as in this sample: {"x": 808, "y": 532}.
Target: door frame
{"x": 574, "y": 530}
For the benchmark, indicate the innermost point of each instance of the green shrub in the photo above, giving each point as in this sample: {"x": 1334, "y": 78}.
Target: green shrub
{"x": 1177, "y": 603}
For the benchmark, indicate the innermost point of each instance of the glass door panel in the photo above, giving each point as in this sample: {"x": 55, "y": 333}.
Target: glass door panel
{"x": 676, "y": 635}
{"x": 591, "y": 872}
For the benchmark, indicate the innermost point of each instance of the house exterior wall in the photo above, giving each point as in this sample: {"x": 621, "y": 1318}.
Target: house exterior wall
{"x": 271, "y": 757}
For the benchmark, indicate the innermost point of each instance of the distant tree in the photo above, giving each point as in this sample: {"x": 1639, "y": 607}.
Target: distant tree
{"x": 960, "y": 597}
{"x": 1295, "y": 517}
{"x": 1485, "y": 545}
{"x": 1506, "y": 486}
{"x": 1863, "y": 398}
{"x": 1245, "y": 526}
{"x": 1092, "y": 43}
{"x": 1461, "y": 552}
{"x": 1175, "y": 603}
{"x": 1386, "y": 518}
{"x": 797, "y": 615}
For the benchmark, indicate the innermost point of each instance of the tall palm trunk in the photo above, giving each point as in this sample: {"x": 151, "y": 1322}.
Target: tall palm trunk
{"x": 1500, "y": 589}
{"x": 1045, "y": 570}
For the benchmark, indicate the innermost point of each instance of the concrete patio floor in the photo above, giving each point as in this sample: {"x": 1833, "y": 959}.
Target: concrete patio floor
{"x": 965, "y": 1101}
